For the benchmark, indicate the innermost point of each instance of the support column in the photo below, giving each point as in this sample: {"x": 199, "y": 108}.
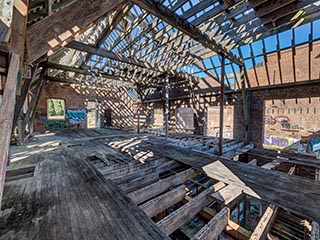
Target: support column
{"x": 245, "y": 104}
{"x": 166, "y": 105}
{"x": 6, "y": 115}
{"x": 221, "y": 104}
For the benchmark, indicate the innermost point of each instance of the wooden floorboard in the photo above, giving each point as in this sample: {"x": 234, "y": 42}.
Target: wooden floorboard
{"x": 290, "y": 192}
{"x": 66, "y": 199}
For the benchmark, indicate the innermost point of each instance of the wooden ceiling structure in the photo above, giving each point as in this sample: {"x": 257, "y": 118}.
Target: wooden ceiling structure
{"x": 136, "y": 44}
{"x": 141, "y": 41}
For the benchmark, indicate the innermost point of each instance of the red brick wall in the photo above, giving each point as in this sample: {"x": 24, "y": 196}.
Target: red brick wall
{"x": 286, "y": 63}
{"x": 305, "y": 118}
{"x": 77, "y": 97}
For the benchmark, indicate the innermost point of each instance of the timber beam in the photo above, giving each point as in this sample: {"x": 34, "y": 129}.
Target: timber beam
{"x": 315, "y": 231}
{"x": 64, "y": 25}
{"x": 179, "y": 217}
{"x": 227, "y": 194}
{"x": 255, "y": 181}
{"x": 265, "y": 223}
{"x": 215, "y": 226}
{"x": 184, "y": 26}
{"x": 111, "y": 25}
{"x": 6, "y": 115}
{"x": 111, "y": 55}
{"x": 161, "y": 186}
{"x": 161, "y": 203}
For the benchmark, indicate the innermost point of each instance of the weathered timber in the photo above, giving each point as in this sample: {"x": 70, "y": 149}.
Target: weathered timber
{"x": 272, "y": 186}
{"x": 67, "y": 199}
{"x": 265, "y": 223}
{"x": 315, "y": 231}
{"x": 227, "y": 194}
{"x": 139, "y": 182}
{"x": 271, "y": 165}
{"x": 179, "y": 217}
{"x": 222, "y": 88}
{"x": 184, "y": 26}
{"x": 6, "y": 115}
{"x": 164, "y": 201}
{"x": 253, "y": 162}
{"x": 64, "y": 25}
{"x": 111, "y": 55}
{"x": 214, "y": 227}
{"x": 161, "y": 186}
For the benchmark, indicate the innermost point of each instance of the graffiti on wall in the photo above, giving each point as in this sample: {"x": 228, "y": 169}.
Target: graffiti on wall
{"x": 74, "y": 117}
{"x": 55, "y": 125}
{"x": 279, "y": 142}
{"x": 283, "y": 120}
{"x": 226, "y": 134}
{"x": 77, "y": 116}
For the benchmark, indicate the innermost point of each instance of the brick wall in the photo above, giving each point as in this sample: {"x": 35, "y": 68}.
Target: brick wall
{"x": 77, "y": 97}
{"x": 306, "y": 118}
{"x": 301, "y": 59}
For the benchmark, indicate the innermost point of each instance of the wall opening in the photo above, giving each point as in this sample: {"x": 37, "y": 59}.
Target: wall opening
{"x": 213, "y": 121}
{"x": 157, "y": 117}
{"x": 93, "y": 115}
{"x": 290, "y": 122}
{"x": 184, "y": 119}
{"x": 56, "y": 109}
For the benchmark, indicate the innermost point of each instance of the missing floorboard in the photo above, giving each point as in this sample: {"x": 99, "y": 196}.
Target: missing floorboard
{"x": 21, "y": 173}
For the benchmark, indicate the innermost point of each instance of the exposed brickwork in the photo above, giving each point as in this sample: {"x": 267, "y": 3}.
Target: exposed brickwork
{"x": 301, "y": 59}
{"x": 257, "y": 117}
{"x": 76, "y": 97}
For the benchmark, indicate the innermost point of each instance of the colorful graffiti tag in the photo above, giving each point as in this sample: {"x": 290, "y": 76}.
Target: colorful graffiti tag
{"x": 271, "y": 141}
{"x": 55, "y": 125}
{"x": 283, "y": 120}
{"x": 76, "y": 116}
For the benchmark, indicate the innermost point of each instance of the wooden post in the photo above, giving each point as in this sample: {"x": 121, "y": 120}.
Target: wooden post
{"x": 244, "y": 103}
{"x": 166, "y": 105}
{"x": 35, "y": 99}
{"x": 221, "y": 103}
{"x": 6, "y": 115}
{"x": 18, "y": 34}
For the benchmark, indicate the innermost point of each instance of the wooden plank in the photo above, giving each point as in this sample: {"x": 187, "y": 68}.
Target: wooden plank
{"x": 214, "y": 227}
{"x": 228, "y": 194}
{"x": 6, "y": 115}
{"x": 253, "y": 162}
{"x": 108, "y": 29}
{"x": 64, "y": 25}
{"x": 111, "y": 55}
{"x": 184, "y": 26}
{"x": 272, "y": 186}
{"x": 222, "y": 88}
{"x": 164, "y": 201}
{"x": 265, "y": 223}
{"x": 179, "y": 217}
{"x": 161, "y": 186}
{"x": 271, "y": 165}
{"x": 315, "y": 231}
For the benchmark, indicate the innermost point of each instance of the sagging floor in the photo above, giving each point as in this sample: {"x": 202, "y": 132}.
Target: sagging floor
{"x": 107, "y": 184}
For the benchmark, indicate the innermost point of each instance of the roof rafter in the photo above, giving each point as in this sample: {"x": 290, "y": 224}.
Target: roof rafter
{"x": 180, "y": 23}
{"x": 111, "y": 25}
{"x": 64, "y": 25}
